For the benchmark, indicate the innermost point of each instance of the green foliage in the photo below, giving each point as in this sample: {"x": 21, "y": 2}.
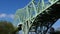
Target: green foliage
{"x": 6, "y": 27}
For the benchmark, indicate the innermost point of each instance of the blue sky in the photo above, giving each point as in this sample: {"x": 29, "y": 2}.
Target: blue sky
{"x": 8, "y": 9}
{"x": 10, "y": 6}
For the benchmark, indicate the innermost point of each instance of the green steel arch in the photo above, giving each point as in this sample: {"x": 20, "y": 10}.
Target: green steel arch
{"x": 31, "y": 11}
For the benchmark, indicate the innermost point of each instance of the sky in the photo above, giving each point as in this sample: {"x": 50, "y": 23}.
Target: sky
{"x": 8, "y": 9}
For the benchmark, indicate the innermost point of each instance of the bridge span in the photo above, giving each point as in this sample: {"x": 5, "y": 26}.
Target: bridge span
{"x": 40, "y": 14}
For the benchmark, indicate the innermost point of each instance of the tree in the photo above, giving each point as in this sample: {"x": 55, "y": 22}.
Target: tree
{"x": 6, "y": 27}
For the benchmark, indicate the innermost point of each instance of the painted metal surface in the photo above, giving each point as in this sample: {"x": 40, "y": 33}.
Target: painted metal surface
{"x": 34, "y": 8}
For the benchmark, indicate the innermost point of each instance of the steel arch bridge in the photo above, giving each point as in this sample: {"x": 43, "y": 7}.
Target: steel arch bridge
{"x": 40, "y": 14}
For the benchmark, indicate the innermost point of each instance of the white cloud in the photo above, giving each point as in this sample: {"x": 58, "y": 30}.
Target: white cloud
{"x": 7, "y": 15}
{"x": 2, "y": 15}
{"x": 11, "y": 16}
